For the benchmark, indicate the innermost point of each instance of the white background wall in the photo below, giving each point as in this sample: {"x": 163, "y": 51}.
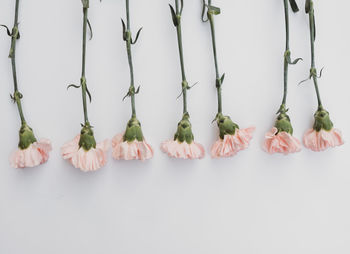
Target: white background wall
{"x": 252, "y": 203}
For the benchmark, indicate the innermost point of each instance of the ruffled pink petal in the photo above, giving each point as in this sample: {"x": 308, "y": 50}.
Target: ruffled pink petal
{"x": 183, "y": 150}
{"x": 322, "y": 140}
{"x": 136, "y": 150}
{"x": 69, "y": 149}
{"x": 231, "y": 144}
{"x": 281, "y": 142}
{"x": 44, "y": 147}
{"x": 36, "y": 154}
{"x": 86, "y": 161}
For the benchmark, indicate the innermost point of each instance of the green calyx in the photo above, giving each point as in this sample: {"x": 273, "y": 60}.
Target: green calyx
{"x": 26, "y": 137}
{"x": 87, "y": 139}
{"x": 226, "y": 125}
{"x": 184, "y": 130}
{"x": 283, "y": 123}
{"x": 322, "y": 120}
{"x": 133, "y": 131}
{"x": 85, "y": 3}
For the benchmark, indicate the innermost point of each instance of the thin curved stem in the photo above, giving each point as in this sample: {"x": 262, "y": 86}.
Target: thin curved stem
{"x": 12, "y": 55}
{"x": 128, "y": 41}
{"x": 313, "y": 70}
{"x": 83, "y": 78}
{"x": 286, "y": 64}
{"x": 182, "y": 62}
{"x": 217, "y": 73}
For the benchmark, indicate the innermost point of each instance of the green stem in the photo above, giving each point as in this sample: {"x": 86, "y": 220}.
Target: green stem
{"x": 83, "y": 78}
{"x": 286, "y": 64}
{"x": 218, "y": 80}
{"x": 179, "y": 40}
{"x": 313, "y": 70}
{"x": 15, "y": 36}
{"x": 128, "y": 48}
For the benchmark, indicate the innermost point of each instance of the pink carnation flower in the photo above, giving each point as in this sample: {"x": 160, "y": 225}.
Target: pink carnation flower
{"x": 231, "y": 144}
{"x": 135, "y": 150}
{"x": 36, "y": 154}
{"x": 321, "y": 140}
{"x": 91, "y": 160}
{"x": 183, "y": 150}
{"x": 281, "y": 142}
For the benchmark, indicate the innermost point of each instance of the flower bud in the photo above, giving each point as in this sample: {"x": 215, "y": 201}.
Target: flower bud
{"x": 87, "y": 139}
{"x": 133, "y": 131}
{"x": 26, "y": 137}
{"x": 184, "y": 130}
{"x": 322, "y": 120}
{"x": 226, "y": 125}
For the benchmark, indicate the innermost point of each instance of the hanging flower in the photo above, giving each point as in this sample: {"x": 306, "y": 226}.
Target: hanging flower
{"x": 183, "y": 145}
{"x": 280, "y": 139}
{"x": 322, "y": 136}
{"x": 281, "y": 142}
{"x": 131, "y": 145}
{"x": 30, "y": 152}
{"x": 231, "y": 139}
{"x": 83, "y": 152}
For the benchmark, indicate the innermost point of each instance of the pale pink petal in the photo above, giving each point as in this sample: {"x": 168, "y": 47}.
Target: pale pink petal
{"x": 145, "y": 151}
{"x": 44, "y": 147}
{"x": 231, "y": 144}
{"x": 281, "y": 142}
{"x": 224, "y": 148}
{"x": 289, "y": 143}
{"x": 104, "y": 145}
{"x": 117, "y": 140}
{"x": 338, "y": 138}
{"x": 136, "y": 150}
{"x": 322, "y": 140}
{"x": 197, "y": 151}
{"x": 242, "y": 137}
{"x": 70, "y": 148}
{"x": 36, "y": 154}
{"x": 86, "y": 161}
{"x": 183, "y": 150}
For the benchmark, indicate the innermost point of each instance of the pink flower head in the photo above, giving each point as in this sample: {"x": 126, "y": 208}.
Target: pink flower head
{"x": 183, "y": 145}
{"x": 83, "y": 152}
{"x": 321, "y": 140}
{"x": 280, "y": 139}
{"x": 90, "y": 160}
{"x": 134, "y": 150}
{"x": 281, "y": 142}
{"x": 30, "y": 152}
{"x": 232, "y": 138}
{"x": 323, "y": 135}
{"x": 36, "y": 154}
{"x": 232, "y": 144}
{"x": 131, "y": 145}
